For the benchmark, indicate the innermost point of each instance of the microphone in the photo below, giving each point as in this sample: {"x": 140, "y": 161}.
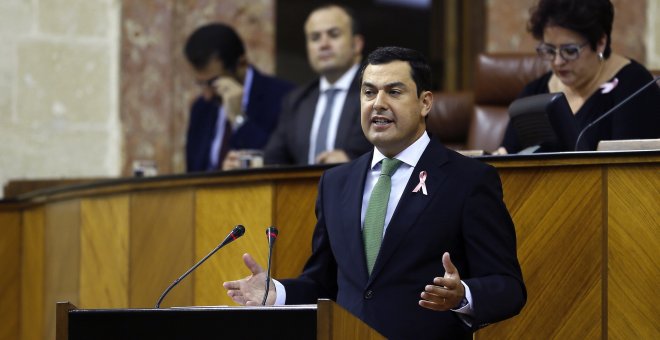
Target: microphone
{"x": 271, "y": 233}
{"x": 577, "y": 141}
{"x": 237, "y": 232}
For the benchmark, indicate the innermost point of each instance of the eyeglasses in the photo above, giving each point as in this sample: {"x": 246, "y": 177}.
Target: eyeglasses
{"x": 567, "y": 52}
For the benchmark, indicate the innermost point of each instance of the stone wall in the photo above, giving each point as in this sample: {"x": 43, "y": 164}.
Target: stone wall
{"x": 635, "y": 33}
{"x": 157, "y": 86}
{"x": 89, "y": 86}
{"x": 653, "y": 35}
{"x": 59, "y": 89}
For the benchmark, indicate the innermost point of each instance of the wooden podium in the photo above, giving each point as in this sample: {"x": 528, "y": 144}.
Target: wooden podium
{"x": 327, "y": 320}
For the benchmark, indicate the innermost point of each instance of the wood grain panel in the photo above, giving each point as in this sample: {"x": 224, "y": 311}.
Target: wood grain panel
{"x": 217, "y": 211}
{"x": 634, "y": 253}
{"x": 335, "y": 322}
{"x": 104, "y": 252}
{"x": 10, "y": 279}
{"x": 32, "y": 274}
{"x": 62, "y": 259}
{"x": 161, "y": 246}
{"x": 557, "y": 214}
{"x": 295, "y": 218}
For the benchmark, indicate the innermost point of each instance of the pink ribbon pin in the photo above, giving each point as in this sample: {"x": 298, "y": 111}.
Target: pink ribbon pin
{"x": 421, "y": 185}
{"x": 608, "y": 87}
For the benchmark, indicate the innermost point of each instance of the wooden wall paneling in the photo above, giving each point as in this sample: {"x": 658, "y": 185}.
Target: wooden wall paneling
{"x": 62, "y": 258}
{"x": 217, "y": 211}
{"x": 557, "y": 212}
{"x": 10, "y": 280}
{"x": 295, "y": 218}
{"x": 633, "y": 252}
{"x": 104, "y": 252}
{"x": 32, "y": 273}
{"x": 160, "y": 247}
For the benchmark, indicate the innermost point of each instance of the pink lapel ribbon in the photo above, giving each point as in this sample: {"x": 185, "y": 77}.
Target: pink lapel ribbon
{"x": 608, "y": 87}
{"x": 421, "y": 185}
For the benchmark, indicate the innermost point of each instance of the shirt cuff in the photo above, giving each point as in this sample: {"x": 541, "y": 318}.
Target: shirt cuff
{"x": 465, "y": 307}
{"x": 280, "y": 293}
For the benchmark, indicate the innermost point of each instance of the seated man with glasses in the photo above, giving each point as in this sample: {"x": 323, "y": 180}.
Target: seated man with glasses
{"x": 239, "y": 106}
{"x": 575, "y": 37}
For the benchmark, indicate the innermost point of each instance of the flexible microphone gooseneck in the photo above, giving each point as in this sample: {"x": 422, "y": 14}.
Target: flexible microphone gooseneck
{"x": 238, "y": 231}
{"x": 271, "y": 233}
{"x": 577, "y": 141}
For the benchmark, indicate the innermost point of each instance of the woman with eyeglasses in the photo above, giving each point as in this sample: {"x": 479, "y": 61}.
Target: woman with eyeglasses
{"x": 575, "y": 38}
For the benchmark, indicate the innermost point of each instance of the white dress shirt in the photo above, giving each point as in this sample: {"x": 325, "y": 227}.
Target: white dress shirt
{"x": 222, "y": 119}
{"x": 342, "y": 85}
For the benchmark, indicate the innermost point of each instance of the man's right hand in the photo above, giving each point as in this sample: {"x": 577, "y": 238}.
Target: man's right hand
{"x": 249, "y": 291}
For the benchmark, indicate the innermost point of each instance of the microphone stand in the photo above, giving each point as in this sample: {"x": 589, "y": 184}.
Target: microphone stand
{"x": 271, "y": 233}
{"x": 577, "y": 141}
{"x": 238, "y": 231}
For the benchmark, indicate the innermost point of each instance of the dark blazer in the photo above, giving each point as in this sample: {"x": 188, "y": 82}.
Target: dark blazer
{"x": 289, "y": 144}
{"x": 463, "y": 214}
{"x": 262, "y": 112}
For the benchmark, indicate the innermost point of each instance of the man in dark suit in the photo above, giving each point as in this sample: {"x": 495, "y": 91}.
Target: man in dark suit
{"x": 320, "y": 121}
{"x": 239, "y": 106}
{"x": 384, "y": 254}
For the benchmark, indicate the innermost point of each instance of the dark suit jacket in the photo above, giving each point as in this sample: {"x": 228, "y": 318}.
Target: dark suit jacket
{"x": 263, "y": 108}
{"x": 463, "y": 214}
{"x": 289, "y": 144}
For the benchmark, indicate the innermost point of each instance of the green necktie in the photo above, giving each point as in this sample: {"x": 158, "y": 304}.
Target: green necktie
{"x": 374, "y": 219}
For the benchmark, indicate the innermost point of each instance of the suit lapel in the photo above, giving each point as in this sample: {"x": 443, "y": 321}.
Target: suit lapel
{"x": 304, "y": 119}
{"x": 350, "y": 115}
{"x": 412, "y": 204}
{"x": 256, "y": 95}
{"x": 352, "y": 199}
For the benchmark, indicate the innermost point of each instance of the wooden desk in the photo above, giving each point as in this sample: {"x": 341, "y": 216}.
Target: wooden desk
{"x": 587, "y": 227}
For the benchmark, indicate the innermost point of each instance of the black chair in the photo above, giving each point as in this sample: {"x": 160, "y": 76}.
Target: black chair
{"x": 544, "y": 123}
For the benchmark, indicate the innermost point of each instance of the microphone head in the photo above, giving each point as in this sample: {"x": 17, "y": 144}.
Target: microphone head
{"x": 271, "y": 233}
{"x": 238, "y": 231}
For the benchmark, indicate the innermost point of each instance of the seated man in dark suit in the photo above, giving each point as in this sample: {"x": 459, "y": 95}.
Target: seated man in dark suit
{"x": 388, "y": 221}
{"x": 239, "y": 106}
{"x": 320, "y": 121}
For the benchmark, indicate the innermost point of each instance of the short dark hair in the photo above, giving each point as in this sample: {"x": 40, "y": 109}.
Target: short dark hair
{"x": 420, "y": 71}
{"x": 356, "y": 28}
{"x": 211, "y": 40}
{"x": 590, "y": 18}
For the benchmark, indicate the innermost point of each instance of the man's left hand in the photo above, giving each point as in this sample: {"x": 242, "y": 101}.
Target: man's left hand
{"x": 332, "y": 157}
{"x": 446, "y": 292}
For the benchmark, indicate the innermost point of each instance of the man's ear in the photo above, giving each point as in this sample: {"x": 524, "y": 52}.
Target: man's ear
{"x": 426, "y": 99}
{"x": 358, "y": 43}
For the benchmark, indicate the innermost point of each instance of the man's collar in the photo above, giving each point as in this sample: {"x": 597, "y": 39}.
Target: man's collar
{"x": 409, "y": 155}
{"x": 247, "y": 87}
{"x": 344, "y": 82}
